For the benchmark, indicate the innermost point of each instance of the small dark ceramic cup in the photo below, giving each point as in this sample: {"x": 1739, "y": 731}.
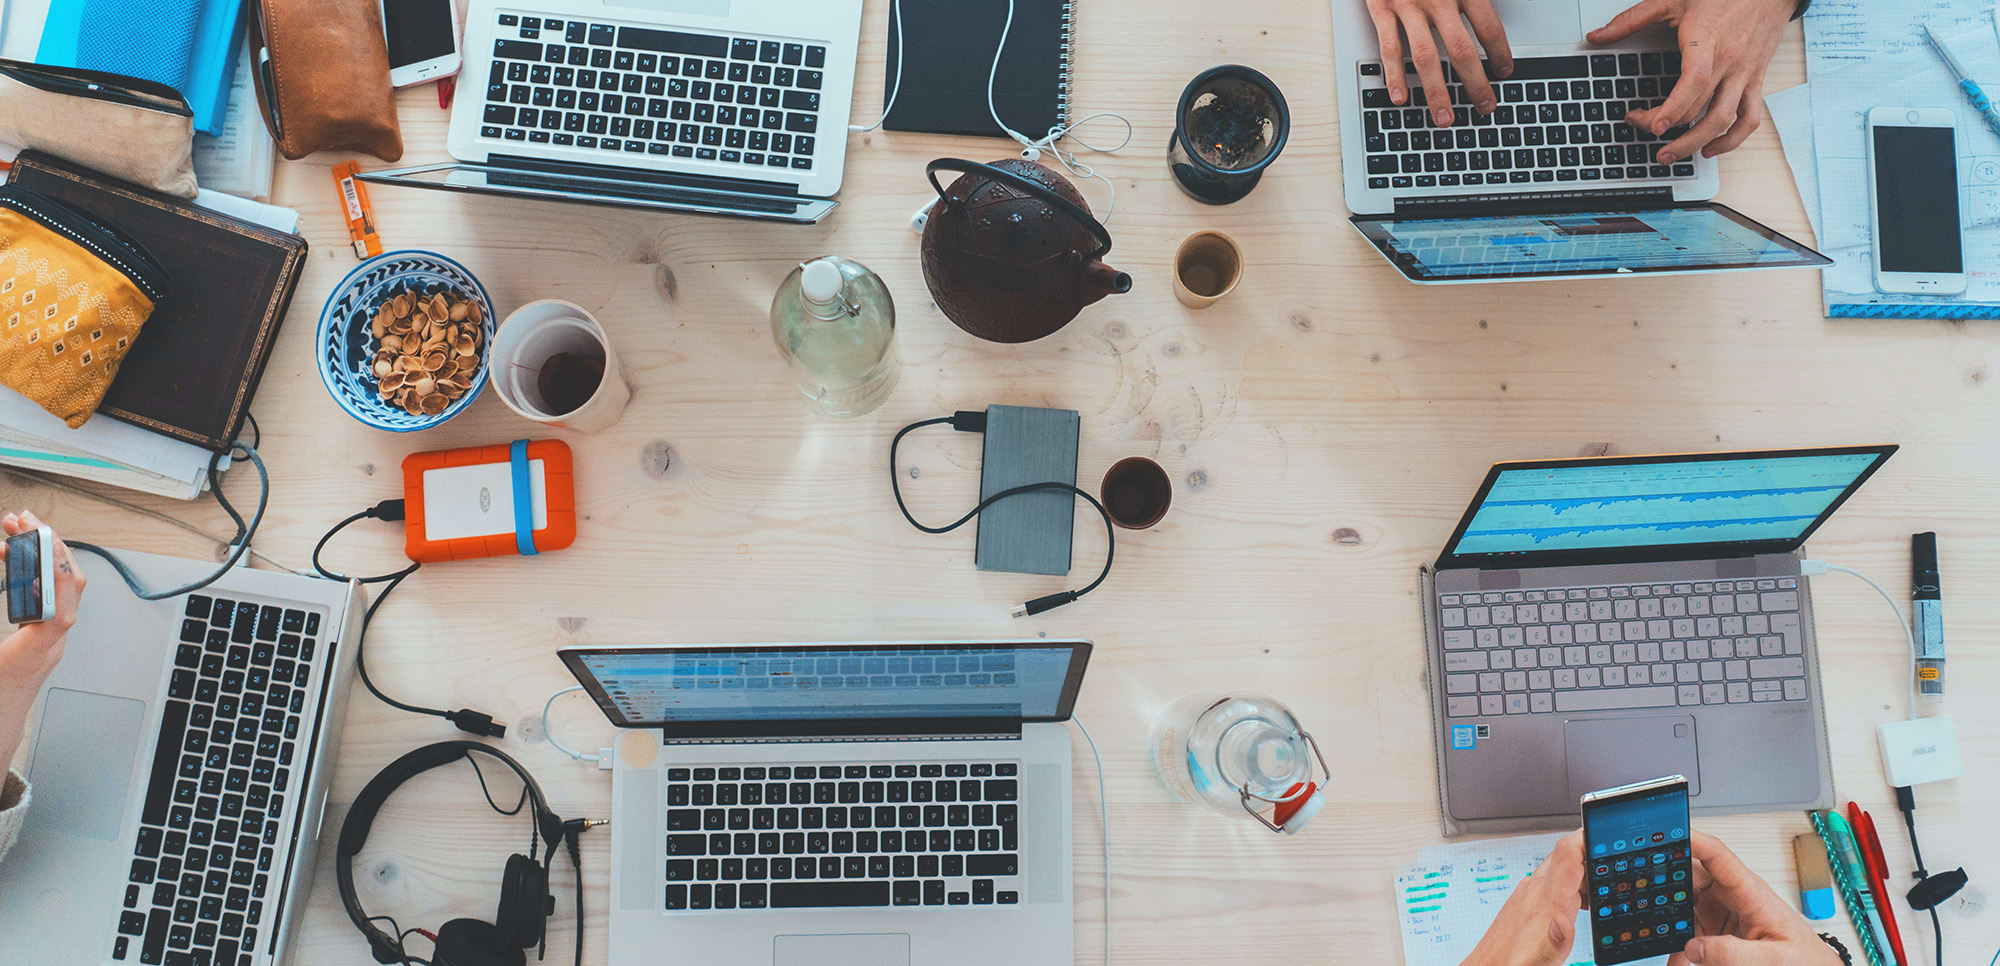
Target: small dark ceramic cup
{"x": 1136, "y": 493}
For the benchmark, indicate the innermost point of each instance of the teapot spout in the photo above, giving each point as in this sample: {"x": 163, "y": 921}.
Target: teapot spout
{"x": 1100, "y": 280}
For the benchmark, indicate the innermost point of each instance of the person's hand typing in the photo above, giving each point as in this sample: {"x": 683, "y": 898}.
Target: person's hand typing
{"x": 1537, "y": 924}
{"x": 1418, "y": 18}
{"x": 1739, "y": 921}
{"x": 30, "y": 653}
{"x": 1726, "y": 45}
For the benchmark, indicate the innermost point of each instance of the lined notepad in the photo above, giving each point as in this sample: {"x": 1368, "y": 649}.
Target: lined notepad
{"x": 1447, "y": 900}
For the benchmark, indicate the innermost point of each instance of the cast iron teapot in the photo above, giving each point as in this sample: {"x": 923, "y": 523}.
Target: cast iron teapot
{"x": 1011, "y": 251}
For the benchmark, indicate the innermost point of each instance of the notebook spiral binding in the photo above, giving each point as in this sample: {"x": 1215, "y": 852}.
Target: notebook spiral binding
{"x": 1916, "y": 310}
{"x": 1063, "y": 74}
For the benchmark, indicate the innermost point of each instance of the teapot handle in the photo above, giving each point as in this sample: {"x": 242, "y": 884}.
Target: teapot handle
{"x": 1063, "y": 204}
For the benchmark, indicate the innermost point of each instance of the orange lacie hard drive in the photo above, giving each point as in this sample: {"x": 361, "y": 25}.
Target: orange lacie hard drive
{"x": 489, "y": 501}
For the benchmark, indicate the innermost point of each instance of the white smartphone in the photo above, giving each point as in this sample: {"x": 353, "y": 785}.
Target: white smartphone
{"x": 31, "y": 576}
{"x": 423, "y": 40}
{"x": 1914, "y": 208}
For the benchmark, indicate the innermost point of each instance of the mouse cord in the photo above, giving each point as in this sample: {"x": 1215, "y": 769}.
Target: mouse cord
{"x": 975, "y": 422}
{"x": 1103, "y": 820}
{"x": 1810, "y": 567}
{"x": 238, "y": 544}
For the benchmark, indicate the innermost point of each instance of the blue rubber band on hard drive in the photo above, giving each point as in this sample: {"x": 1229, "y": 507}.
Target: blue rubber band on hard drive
{"x": 524, "y": 501}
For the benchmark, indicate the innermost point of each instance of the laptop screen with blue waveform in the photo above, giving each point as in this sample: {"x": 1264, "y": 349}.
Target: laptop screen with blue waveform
{"x": 1744, "y": 499}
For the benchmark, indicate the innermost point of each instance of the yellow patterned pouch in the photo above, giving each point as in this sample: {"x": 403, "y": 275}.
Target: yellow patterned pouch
{"x": 73, "y": 294}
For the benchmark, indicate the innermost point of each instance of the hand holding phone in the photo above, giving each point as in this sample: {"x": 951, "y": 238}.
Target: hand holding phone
{"x": 1740, "y": 919}
{"x": 31, "y": 576}
{"x": 1639, "y": 870}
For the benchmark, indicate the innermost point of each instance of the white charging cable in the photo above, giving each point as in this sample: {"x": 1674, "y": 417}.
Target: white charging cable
{"x": 603, "y": 754}
{"x": 1104, "y": 820}
{"x": 1031, "y": 148}
{"x": 1811, "y": 567}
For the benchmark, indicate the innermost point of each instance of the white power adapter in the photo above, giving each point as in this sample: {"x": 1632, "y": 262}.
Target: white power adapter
{"x": 1920, "y": 750}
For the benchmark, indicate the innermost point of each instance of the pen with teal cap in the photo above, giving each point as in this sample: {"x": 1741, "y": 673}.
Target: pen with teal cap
{"x": 1980, "y": 102}
{"x": 1854, "y": 870}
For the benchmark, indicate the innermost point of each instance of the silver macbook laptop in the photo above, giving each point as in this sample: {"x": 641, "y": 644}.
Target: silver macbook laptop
{"x": 840, "y": 804}
{"x": 180, "y": 768}
{"x": 702, "y": 106}
{"x": 1553, "y": 183}
{"x": 1594, "y": 622}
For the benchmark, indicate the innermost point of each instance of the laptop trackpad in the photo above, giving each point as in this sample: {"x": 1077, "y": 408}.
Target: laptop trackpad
{"x": 860, "y": 949}
{"x": 703, "y": 8}
{"x": 84, "y": 752}
{"x": 1608, "y": 752}
{"x": 1534, "y": 22}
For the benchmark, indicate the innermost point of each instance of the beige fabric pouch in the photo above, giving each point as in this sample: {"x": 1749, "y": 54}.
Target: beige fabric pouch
{"x": 131, "y": 129}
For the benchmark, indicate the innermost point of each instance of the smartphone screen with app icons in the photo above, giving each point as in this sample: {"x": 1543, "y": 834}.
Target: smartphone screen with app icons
{"x": 1639, "y": 876}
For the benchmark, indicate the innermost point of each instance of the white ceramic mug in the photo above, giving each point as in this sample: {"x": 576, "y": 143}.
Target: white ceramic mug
{"x": 534, "y": 333}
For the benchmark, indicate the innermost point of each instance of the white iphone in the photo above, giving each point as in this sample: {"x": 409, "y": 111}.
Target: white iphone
{"x": 423, "y": 40}
{"x": 1914, "y": 208}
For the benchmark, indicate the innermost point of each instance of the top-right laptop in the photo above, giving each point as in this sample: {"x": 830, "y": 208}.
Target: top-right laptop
{"x": 1553, "y": 183}
{"x": 1600, "y": 621}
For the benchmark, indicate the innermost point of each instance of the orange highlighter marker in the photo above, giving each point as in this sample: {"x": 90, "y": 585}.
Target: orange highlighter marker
{"x": 360, "y": 215}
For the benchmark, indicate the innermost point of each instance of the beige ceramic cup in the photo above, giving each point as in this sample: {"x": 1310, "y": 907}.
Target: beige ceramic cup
{"x": 1207, "y": 267}
{"x": 533, "y": 334}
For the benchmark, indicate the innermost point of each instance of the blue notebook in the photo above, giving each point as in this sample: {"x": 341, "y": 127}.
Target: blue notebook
{"x": 189, "y": 45}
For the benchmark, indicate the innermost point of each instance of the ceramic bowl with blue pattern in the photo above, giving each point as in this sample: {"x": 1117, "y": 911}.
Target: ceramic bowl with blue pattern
{"x": 346, "y": 345}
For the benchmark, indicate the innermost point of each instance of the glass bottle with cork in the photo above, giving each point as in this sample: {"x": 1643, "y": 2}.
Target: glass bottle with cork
{"x": 835, "y": 325}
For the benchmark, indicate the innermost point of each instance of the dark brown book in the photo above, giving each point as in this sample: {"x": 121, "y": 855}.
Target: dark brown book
{"x": 198, "y": 359}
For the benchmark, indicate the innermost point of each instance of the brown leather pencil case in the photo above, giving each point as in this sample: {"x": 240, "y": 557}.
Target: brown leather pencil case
{"x": 322, "y": 70}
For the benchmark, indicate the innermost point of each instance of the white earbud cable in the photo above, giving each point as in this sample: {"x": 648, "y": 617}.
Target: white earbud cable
{"x": 1104, "y": 820}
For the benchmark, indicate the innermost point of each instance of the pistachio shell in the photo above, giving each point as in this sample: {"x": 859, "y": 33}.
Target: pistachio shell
{"x": 433, "y": 359}
{"x": 400, "y": 304}
{"x": 434, "y": 404}
{"x": 382, "y": 368}
{"x": 474, "y": 313}
{"x": 458, "y": 311}
{"x": 392, "y": 381}
{"x": 392, "y": 343}
{"x": 424, "y": 385}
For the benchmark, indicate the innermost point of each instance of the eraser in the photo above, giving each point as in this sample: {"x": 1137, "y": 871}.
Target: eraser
{"x": 1815, "y": 877}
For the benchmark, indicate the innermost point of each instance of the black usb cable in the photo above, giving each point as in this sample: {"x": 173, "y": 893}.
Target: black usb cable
{"x": 1931, "y": 890}
{"x": 967, "y": 421}
{"x": 392, "y": 511}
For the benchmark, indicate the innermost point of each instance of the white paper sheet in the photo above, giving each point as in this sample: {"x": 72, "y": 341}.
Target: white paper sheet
{"x": 1447, "y": 900}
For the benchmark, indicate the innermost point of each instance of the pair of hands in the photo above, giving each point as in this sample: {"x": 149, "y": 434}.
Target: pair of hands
{"x": 1726, "y": 45}
{"x": 1739, "y": 921}
{"x": 30, "y": 653}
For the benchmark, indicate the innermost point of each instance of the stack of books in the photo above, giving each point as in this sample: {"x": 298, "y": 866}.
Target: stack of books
{"x": 103, "y": 449}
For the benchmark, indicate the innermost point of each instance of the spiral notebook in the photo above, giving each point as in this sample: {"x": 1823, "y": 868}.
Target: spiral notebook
{"x": 948, "y": 47}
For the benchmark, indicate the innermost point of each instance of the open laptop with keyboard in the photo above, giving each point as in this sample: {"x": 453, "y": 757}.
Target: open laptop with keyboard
{"x": 1597, "y": 621}
{"x": 180, "y": 769}
{"x": 863, "y": 803}
{"x": 696, "y": 106}
{"x": 1553, "y": 183}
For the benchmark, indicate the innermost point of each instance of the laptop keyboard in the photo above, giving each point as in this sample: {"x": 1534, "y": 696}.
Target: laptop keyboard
{"x": 802, "y": 836}
{"x": 208, "y": 835}
{"x": 1561, "y": 120}
{"x": 1622, "y": 646}
{"x": 631, "y": 92}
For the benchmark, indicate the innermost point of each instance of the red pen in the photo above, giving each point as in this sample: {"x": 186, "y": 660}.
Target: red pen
{"x": 1878, "y": 872}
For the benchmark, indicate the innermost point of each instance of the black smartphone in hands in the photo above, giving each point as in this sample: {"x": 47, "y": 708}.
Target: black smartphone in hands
{"x": 31, "y": 576}
{"x": 1638, "y": 871}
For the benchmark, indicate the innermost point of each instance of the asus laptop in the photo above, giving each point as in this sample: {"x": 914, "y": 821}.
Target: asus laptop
{"x": 840, "y": 804}
{"x": 701, "y": 106}
{"x": 1553, "y": 184}
{"x": 1594, "y": 622}
{"x": 181, "y": 759}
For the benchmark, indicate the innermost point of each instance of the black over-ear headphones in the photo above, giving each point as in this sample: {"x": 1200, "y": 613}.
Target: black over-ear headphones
{"x": 525, "y": 901}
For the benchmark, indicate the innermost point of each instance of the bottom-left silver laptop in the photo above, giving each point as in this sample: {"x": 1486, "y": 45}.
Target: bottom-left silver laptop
{"x": 180, "y": 769}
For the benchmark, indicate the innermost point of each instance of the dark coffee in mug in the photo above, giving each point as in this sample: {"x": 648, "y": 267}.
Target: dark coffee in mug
{"x": 1136, "y": 493}
{"x": 567, "y": 380}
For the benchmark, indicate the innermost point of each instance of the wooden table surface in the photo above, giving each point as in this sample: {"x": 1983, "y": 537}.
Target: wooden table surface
{"x": 1324, "y": 427}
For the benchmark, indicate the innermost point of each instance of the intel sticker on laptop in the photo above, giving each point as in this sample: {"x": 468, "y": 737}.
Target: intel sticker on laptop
{"x": 1461, "y": 737}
